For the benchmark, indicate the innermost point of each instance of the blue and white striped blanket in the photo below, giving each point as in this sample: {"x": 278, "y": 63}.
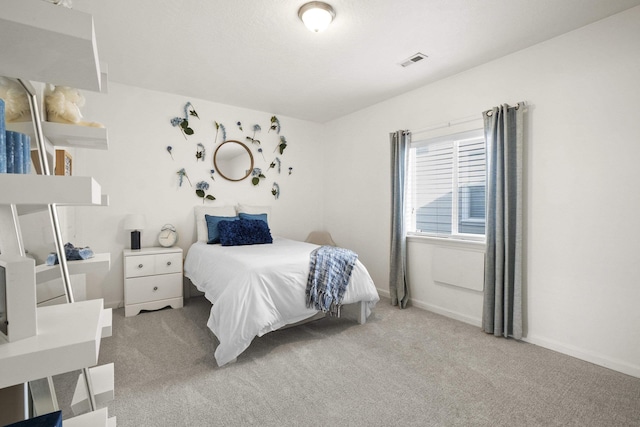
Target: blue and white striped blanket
{"x": 329, "y": 273}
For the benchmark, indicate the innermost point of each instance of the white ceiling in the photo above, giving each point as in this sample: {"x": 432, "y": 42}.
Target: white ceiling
{"x": 257, "y": 54}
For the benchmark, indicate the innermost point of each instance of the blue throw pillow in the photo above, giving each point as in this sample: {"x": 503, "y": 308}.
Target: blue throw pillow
{"x": 244, "y": 232}
{"x": 261, "y": 216}
{"x": 212, "y": 226}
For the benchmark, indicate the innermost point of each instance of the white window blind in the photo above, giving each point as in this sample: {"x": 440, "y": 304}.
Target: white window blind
{"x": 446, "y": 186}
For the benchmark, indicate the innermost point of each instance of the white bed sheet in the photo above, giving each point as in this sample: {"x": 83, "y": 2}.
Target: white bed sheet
{"x": 256, "y": 289}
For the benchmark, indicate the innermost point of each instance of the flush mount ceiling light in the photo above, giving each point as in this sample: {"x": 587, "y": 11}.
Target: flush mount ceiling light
{"x": 316, "y": 15}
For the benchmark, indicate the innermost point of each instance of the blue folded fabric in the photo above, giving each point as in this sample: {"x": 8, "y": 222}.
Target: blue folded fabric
{"x": 71, "y": 253}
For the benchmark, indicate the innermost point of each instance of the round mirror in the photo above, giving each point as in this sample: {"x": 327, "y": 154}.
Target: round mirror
{"x": 233, "y": 160}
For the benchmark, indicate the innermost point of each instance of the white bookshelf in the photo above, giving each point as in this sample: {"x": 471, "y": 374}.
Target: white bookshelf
{"x": 46, "y": 43}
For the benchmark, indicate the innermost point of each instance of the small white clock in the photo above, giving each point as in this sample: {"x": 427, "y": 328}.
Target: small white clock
{"x": 168, "y": 236}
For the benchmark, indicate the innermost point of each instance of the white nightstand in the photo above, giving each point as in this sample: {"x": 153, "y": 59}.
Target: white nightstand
{"x": 152, "y": 279}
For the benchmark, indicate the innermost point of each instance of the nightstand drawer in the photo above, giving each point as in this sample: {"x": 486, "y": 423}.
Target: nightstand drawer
{"x": 168, "y": 263}
{"x": 152, "y": 288}
{"x": 142, "y": 265}
{"x": 148, "y": 265}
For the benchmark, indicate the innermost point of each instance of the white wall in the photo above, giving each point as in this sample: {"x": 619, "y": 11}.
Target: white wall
{"x": 140, "y": 176}
{"x": 582, "y": 259}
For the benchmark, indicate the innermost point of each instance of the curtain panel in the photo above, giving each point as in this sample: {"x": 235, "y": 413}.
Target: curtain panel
{"x": 502, "y": 310}
{"x": 398, "y": 286}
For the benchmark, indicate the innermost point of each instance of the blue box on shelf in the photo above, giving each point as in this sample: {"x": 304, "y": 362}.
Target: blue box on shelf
{"x": 18, "y": 152}
{"x": 3, "y": 140}
{"x": 53, "y": 419}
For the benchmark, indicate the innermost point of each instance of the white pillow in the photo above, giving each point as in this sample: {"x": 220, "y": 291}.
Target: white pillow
{"x": 254, "y": 210}
{"x": 202, "y": 231}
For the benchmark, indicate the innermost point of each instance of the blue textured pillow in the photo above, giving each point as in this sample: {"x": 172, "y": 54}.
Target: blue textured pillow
{"x": 244, "y": 232}
{"x": 261, "y": 216}
{"x": 212, "y": 226}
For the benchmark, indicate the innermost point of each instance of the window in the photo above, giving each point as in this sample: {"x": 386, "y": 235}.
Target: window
{"x": 446, "y": 186}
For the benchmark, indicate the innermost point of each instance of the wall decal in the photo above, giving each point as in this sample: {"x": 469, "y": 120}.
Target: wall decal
{"x": 200, "y": 152}
{"x": 256, "y": 173}
{"x": 201, "y": 188}
{"x": 275, "y": 124}
{"x": 282, "y": 145}
{"x": 183, "y": 123}
{"x": 169, "y": 148}
{"x": 220, "y": 127}
{"x": 275, "y": 190}
{"x": 183, "y": 174}
{"x": 274, "y": 163}
{"x": 256, "y": 128}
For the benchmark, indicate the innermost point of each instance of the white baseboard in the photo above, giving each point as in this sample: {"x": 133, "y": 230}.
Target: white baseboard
{"x": 448, "y": 313}
{"x": 435, "y": 309}
{"x": 114, "y": 304}
{"x": 586, "y": 355}
{"x": 384, "y": 293}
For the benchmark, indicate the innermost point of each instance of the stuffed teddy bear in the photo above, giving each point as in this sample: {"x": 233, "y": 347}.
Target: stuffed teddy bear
{"x": 15, "y": 99}
{"x": 63, "y": 106}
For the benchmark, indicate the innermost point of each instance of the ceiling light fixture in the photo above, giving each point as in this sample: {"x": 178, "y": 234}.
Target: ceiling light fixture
{"x": 316, "y": 15}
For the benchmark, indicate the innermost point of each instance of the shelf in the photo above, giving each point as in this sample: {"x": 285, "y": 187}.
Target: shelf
{"x": 48, "y": 43}
{"x": 100, "y": 262}
{"x": 65, "y": 135}
{"x": 106, "y": 321}
{"x": 102, "y": 383}
{"x": 68, "y": 339}
{"x": 30, "y": 189}
{"x": 29, "y": 209}
{"x": 98, "y": 418}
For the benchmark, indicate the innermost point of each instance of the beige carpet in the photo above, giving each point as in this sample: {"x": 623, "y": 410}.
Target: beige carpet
{"x": 404, "y": 367}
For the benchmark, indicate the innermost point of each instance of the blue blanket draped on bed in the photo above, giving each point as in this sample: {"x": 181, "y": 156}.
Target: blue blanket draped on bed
{"x": 329, "y": 272}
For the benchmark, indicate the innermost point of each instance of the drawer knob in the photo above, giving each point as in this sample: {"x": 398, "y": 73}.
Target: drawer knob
{"x": 155, "y": 288}
{"x": 139, "y": 265}
{"x": 168, "y": 262}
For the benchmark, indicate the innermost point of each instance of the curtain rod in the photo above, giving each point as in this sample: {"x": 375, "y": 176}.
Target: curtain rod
{"x": 449, "y": 123}
{"x": 489, "y": 113}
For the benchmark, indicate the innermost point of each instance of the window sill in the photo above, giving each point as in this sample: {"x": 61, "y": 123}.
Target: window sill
{"x": 476, "y": 245}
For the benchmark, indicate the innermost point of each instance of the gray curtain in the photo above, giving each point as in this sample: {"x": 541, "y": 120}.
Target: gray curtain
{"x": 398, "y": 286}
{"x": 502, "y": 311}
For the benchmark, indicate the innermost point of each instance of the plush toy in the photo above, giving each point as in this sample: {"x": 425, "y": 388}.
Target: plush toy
{"x": 15, "y": 99}
{"x": 63, "y": 106}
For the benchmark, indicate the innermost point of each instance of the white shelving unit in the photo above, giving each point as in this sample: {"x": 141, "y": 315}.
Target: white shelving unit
{"x": 45, "y": 43}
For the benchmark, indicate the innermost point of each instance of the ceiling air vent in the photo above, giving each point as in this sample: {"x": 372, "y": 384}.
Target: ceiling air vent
{"x": 413, "y": 59}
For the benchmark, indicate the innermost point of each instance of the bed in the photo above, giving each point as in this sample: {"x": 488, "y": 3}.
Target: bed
{"x": 256, "y": 289}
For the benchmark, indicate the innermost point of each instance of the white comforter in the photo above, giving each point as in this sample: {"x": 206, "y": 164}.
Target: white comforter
{"x": 256, "y": 289}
